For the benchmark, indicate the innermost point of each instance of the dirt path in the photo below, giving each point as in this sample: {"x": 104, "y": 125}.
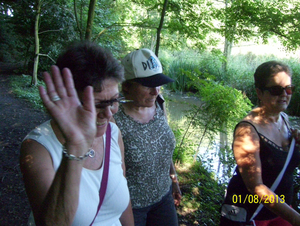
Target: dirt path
{"x": 17, "y": 118}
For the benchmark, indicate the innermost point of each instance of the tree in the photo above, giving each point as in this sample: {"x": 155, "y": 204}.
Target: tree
{"x": 163, "y": 13}
{"x": 264, "y": 18}
{"x": 37, "y": 43}
{"x": 90, "y": 20}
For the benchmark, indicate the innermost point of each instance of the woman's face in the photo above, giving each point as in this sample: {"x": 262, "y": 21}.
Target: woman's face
{"x": 109, "y": 93}
{"x": 276, "y": 103}
{"x": 141, "y": 95}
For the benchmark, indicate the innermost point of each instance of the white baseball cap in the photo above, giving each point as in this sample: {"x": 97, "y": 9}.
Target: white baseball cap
{"x": 144, "y": 67}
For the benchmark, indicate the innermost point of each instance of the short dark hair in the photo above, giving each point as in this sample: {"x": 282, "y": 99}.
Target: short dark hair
{"x": 90, "y": 64}
{"x": 267, "y": 70}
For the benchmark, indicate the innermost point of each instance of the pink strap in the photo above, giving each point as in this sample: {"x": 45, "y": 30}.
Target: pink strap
{"x": 105, "y": 170}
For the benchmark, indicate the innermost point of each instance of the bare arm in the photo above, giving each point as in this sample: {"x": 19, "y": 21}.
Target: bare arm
{"x": 54, "y": 196}
{"x": 175, "y": 185}
{"x": 48, "y": 192}
{"x": 246, "y": 152}
{"x": 126, "y": 218}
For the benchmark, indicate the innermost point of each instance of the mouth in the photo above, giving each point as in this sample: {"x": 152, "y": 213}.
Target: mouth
{"x": 100, "y": 124}
{"x": 282, "y": 101}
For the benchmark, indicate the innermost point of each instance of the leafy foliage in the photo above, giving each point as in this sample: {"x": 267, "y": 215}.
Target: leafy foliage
{"x": 22, "y": 89}
{"x": 202, "y": 196}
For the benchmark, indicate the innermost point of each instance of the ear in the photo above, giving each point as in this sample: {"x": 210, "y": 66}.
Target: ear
{"x": 125, "y": 87}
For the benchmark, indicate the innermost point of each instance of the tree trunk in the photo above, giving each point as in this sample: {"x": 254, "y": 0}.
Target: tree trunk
{"x": 88, "y": 33}
{"x": 37, "y": 43}
{"x": 226, "y": 53}
{"x": 228, "y": 43}
{"x": 163, "y": 13}
{"x": 77, "y": 21}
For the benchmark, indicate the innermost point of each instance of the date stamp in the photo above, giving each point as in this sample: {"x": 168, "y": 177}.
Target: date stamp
{"x": 249, "y": 198}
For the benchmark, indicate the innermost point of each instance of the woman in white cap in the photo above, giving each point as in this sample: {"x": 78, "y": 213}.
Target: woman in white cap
{"x": 149, "y": 142}
{"x": 72, "y": 165}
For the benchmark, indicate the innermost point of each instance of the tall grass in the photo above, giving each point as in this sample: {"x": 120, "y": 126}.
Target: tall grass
{"x": 239, "y": 73}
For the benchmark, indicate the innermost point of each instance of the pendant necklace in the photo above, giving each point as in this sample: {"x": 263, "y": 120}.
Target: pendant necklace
{"x": 278, "y": 127}
{"x": 91, "y": 153}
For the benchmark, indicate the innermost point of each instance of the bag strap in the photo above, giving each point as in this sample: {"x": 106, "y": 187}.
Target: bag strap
{"x": 279, "y": 177}
{"x": 105, "y": 171}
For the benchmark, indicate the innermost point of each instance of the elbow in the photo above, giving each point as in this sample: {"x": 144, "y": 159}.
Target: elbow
{"x": 257, "y": 189}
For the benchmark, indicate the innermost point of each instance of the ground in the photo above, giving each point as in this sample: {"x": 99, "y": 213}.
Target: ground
{"x": 17, "y": 118}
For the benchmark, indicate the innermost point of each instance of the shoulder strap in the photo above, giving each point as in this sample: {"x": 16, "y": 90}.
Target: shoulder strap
{"x": 279, "y": 177}
{"x": 104, "y": 180}
{"x": 160, "y": 100}
{"x": 286, "y": 120}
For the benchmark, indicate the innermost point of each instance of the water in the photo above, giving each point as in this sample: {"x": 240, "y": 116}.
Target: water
{"x": 177, "y": 104}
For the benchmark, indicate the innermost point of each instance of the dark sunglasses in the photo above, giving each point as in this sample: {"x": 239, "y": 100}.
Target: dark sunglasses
{"x": 106, "y": 103}
{"x": 278, "y": 90}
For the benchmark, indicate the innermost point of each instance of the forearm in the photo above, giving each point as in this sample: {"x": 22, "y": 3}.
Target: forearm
{"x": 60, "y": 204}
{"x": 172, "y": 169}
{"x": 278, "y": 206}
{"x": 126, "y": 218}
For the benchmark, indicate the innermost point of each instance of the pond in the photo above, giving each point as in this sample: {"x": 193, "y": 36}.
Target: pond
{"x": 177, "y": 104}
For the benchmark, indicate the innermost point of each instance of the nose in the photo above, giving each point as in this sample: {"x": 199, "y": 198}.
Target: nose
{"x": 284, "y": 93}
{"x": 155, "y": 90}
{"x": 106, "y": 112}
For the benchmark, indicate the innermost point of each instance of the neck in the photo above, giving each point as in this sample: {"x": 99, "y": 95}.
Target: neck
{"x": 140, "y": 114}
{"x": 268, "y": 116}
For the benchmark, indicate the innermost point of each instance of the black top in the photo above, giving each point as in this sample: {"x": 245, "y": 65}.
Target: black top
{"x": 272, "y": 161}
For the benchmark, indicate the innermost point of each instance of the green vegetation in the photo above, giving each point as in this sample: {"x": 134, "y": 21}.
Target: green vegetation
{"x": 239, "y": 73}
{"x": 222, "y": 103}
{"x": 187, "y": 35}
{"x": 22, "y": 89}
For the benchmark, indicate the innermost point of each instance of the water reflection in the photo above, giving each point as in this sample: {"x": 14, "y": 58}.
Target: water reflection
{"x": 208, "y": 151}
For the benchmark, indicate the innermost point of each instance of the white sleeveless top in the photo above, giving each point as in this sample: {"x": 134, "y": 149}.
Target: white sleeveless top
{"x": 116, "y": 198}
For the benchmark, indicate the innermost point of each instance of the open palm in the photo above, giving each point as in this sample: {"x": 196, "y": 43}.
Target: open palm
{"x": 77, "y": 122}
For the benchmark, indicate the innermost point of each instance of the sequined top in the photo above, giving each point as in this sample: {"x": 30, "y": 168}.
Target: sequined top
{"x": 148, "y": 155}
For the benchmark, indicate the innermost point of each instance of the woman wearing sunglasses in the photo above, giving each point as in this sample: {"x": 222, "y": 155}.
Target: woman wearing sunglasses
{"x": 262, "y": 141}
{"x": 73, "y": 165}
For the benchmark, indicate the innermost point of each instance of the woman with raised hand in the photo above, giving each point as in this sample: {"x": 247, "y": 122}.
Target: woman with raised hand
{"x": 73, "y": 165}
{"x": 261, "y": 190}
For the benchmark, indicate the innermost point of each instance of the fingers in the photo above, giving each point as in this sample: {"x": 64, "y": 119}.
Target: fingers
{"x": 88, "y": 99}
{"x": 69, "y": 83}
{"x": 54, "y": 84}
{"x": 58, "y": 85}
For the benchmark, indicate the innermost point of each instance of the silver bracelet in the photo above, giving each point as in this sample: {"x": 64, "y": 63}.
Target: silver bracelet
{"x": 73, "y": 157}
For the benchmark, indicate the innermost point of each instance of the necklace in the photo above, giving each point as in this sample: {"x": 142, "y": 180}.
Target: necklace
{"x": 92, "y": 153}
{"x": 277, "y": 126}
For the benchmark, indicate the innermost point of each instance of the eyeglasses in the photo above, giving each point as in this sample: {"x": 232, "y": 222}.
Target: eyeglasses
{"x": 278, "y": 90}
{"x": 111, "y": 103}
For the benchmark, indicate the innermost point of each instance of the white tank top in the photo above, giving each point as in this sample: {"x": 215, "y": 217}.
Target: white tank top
{"x": 116, "y": 198}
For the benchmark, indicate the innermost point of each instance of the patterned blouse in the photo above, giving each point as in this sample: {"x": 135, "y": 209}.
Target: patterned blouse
{"x": 148, "y": 155}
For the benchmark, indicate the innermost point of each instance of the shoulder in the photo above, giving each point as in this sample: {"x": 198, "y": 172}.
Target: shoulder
{"x": 40, "y": 130}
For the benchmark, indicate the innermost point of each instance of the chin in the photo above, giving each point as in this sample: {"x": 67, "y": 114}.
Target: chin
{"x": 101, "y": 131}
